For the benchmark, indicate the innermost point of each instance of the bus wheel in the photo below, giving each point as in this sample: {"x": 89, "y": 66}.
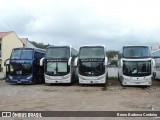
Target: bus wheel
{"x": 40, "y": 80}
{"x": 118, "y": 77}
{"x": 34, "y": 80}
{"x": 154, "y": 76}
{"x": 106, "y": 85}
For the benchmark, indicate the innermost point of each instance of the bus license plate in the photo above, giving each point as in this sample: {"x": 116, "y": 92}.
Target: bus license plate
{"x": 18, "y": 81}
{"x": 19, "y": 72}
{"x": 94, "y": 82}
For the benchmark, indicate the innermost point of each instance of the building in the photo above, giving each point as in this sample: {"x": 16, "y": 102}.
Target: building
{"x": 27, "y": 43}
{"x": 8, "y": 41}
{"x": 155, "y": 54}
{"x": 155, "y": 46}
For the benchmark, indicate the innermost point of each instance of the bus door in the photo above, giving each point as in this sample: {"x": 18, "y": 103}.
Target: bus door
{"x": 158, "y": 70}
{"x": 7, "y": 72}
{"x": 38, "y": 71}
{"x": 7, "y": 68}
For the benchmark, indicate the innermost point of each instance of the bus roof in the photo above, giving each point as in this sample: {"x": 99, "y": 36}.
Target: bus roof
{"x": 59, "y": 46}
{"x": 92, "y": 46}
{"x": 155, "y": 51}
{"x": 135, "y": 46}
{"x": 23, "y": 48}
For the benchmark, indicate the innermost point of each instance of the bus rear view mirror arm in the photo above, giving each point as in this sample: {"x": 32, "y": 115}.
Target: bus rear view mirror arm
{"x": 69, "y": 61}
{"x": 76, "y": 61}
{"x": 106, "y": 61}
{"x": 153, "y": 62}
{"x": 121, "y": 63}
{"x": 5, "y": 62}
{"x": 41, "y": 61}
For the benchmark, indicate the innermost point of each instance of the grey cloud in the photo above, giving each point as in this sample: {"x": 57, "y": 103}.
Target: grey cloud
{"x": 76, "y": 25}
{"x": 15, "y": 21}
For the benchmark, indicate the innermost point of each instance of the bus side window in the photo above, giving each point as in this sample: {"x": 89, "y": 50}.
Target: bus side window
{"x": 35, "y": 55}
{"x": 38, "y": 55}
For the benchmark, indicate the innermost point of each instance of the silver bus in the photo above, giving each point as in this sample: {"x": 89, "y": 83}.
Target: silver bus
{"x": 59, "y": 64}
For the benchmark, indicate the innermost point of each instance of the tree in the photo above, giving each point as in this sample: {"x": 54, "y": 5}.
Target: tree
{"x": 111, "y": 54}
{"x": 39, "y": 45}
{"x": 114, "y": 62}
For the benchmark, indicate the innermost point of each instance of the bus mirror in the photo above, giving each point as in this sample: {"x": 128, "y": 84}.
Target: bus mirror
{"x": 41, "y": 61}
{"x": 5, "y": 62}
{"x": 153, "y": 62}
{"x": 121, "y": 63}
{"x": 76, "y": 61}
{"x": 106, "y": 61}
{"x": 69, "y": 61}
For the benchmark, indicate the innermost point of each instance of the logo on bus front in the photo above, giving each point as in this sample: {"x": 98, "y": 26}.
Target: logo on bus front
{"x": 89, "y": 60}
{"x": 56, "y": 60}
{"x": 19, "y": 72}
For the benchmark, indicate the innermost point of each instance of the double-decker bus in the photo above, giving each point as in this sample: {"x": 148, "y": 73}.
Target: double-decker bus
{"x": 135, "y": 66}
{"x": 156, "y": 56}
{"x": 92, "y": 64}
{"x": 59, "y": 64}
{"x": 24, "y": 67}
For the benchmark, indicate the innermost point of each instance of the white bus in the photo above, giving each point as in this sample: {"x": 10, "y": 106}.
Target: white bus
{"x": 156, "y": 56}
{"x": 91, "y": 64}
{"x": 59, "y": 64}
{"x": 135, "y": 66}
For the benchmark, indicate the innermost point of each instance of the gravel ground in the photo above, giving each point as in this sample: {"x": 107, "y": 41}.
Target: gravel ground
{"x": 114, "y": 97}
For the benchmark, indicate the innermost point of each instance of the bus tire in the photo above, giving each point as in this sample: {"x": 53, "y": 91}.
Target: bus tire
{"x": 118, "y": 77}
{"x": 154, "y": 76}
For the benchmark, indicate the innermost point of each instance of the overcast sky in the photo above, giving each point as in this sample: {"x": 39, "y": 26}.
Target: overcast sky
{"x": 113, "y": 23}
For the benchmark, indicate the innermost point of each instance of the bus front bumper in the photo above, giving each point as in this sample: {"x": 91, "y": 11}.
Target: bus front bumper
{"x": 58, "y": 79}
{"x": 20, "y": 79}
{"x": 136, "y": 81}
{"x": 92, "y": 80}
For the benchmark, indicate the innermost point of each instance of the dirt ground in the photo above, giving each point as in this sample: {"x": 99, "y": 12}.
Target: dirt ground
{"x": 114, "y": 97}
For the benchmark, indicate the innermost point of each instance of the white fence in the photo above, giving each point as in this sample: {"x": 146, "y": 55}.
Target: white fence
{"x": 113, "y": 72}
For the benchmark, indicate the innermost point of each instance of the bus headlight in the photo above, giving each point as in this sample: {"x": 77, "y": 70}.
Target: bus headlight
{"x": 126, "y": 79}
{"x": 10, "y": 77}
{"x": 65, "y": 77}
{"x": 99, "y": 78}
{"x": 29, "y": 77}
{"x": 47, "y": 77}
{"x": 148, "y": 79}
{"x": 82, "y": 78}
{"x": 150, "y": 83}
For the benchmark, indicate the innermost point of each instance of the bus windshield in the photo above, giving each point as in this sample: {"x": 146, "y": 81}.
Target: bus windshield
{"x": 58, "y": 52}
{"x": 136, "y": 52}
{"x": 155, "y": 54}
{"x": 22, "y": 54}
{"x": 20, "y": 67}
{"x": 137, "y": 68}
{"x": 91, "y": 68}
{"x": 91, "y": 52}
{"x": 56, "y": 68}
